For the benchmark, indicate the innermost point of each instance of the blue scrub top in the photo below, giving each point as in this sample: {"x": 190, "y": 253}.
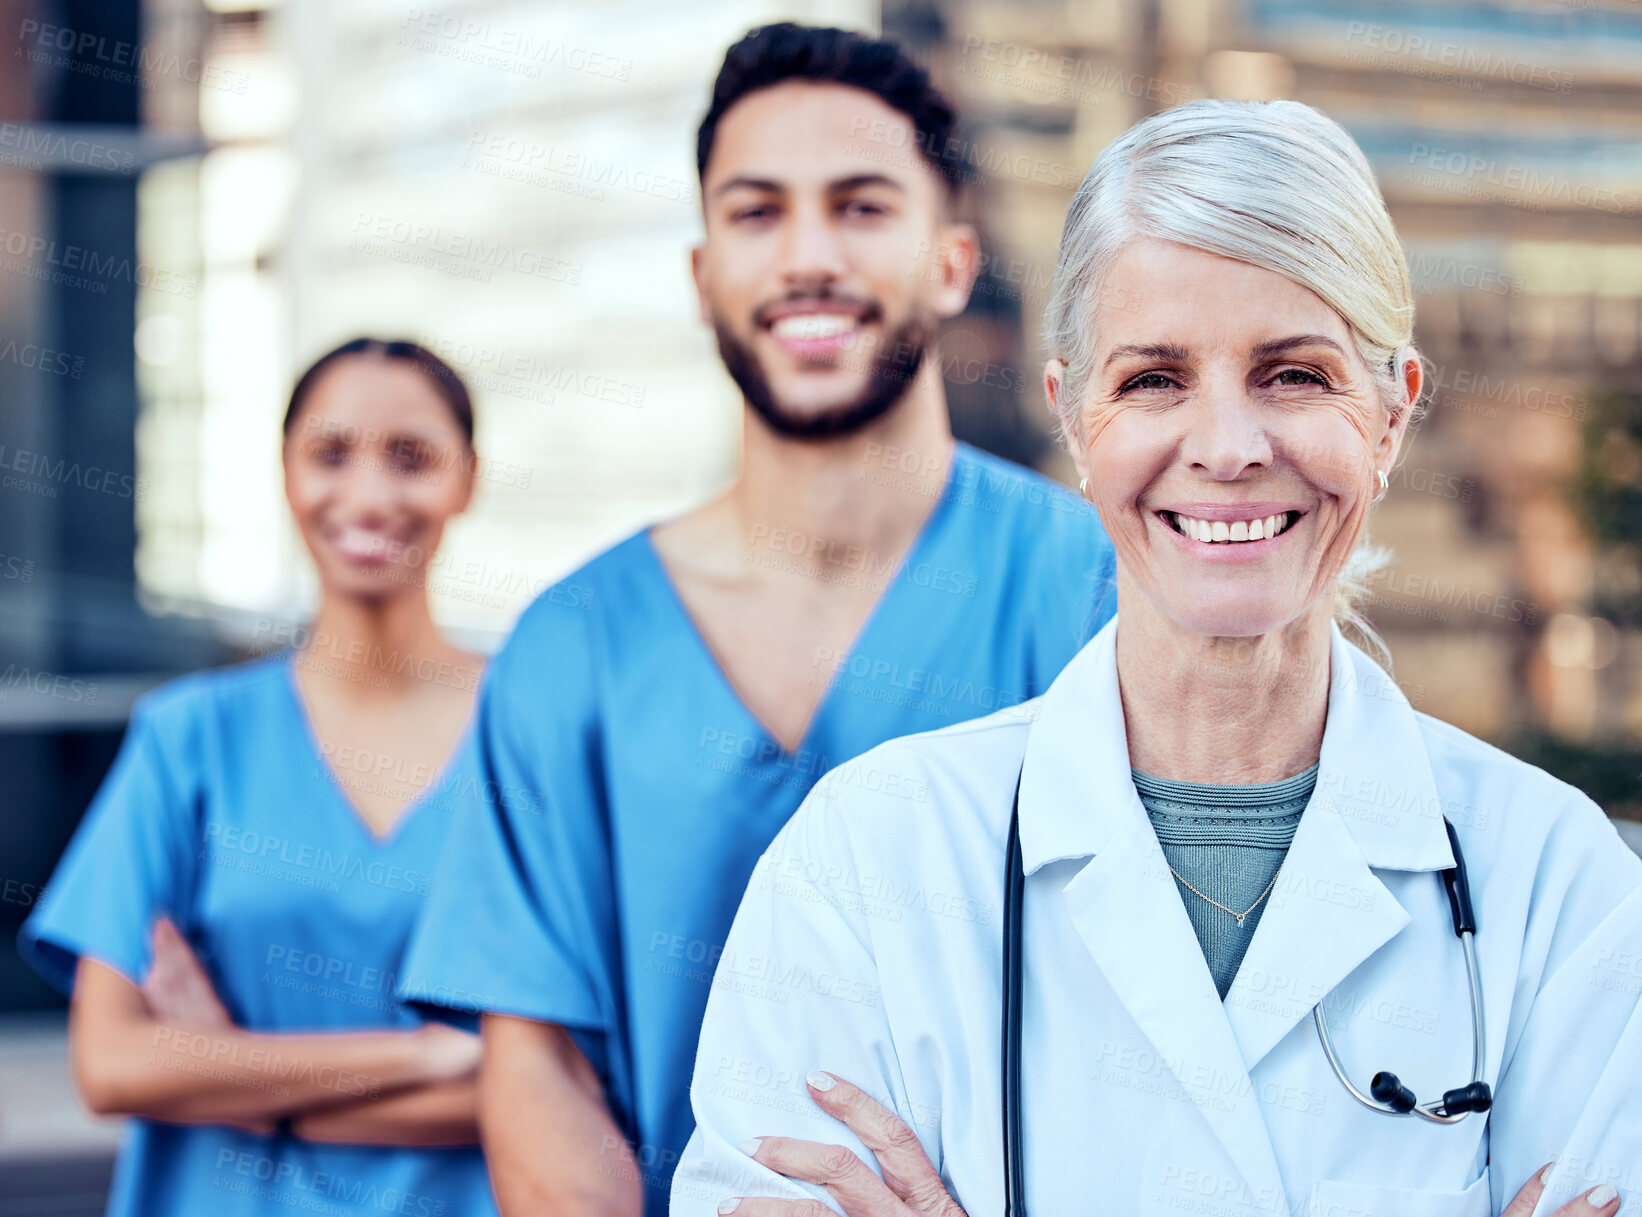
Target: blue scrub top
{"x": 631, "y": 790}
{"x": 221, "y": 812}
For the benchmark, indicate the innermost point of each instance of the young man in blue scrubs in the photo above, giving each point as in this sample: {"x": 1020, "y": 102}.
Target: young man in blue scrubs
{"x": 657, "y": 717}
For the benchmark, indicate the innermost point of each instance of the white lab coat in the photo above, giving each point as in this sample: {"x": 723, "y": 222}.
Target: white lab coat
{"x": 869, "y": 944}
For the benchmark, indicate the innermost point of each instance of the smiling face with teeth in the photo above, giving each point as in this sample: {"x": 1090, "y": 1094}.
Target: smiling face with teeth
{"x": 1231, "y": 435}
{"x": 375, "y": 467}
{"x": 829, "y": 259}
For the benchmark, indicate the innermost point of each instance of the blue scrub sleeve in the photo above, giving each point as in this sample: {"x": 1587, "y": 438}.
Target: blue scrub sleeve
{"x": 520, "y": 916}
{"x": 1064, "y": 609}
{"x": 1104, "y": 580}
{"x": 768, "y": 1023}
{"x": 1568, "y": 1089}
{"x": 133, "y": 858}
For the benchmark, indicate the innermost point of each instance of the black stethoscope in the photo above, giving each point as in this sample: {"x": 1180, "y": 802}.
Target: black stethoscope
{"x": 1387, "y": 1095}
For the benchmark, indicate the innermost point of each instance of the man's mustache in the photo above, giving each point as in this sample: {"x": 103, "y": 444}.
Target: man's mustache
{"x": 866, "y": 311}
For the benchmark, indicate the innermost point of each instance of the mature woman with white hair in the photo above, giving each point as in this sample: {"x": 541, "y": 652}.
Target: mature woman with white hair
{"x": 1241, "y": 874}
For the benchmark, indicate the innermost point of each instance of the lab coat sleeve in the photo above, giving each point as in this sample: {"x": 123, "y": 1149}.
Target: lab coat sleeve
{"x": 795, "y": 990}
{"x": 519, "y": 919}
{"x": 1569, "y": 1089}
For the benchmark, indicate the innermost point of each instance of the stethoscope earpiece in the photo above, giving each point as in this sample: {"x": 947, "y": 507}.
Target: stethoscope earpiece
{"x": 1475, "y": 1097}
{"x": 1388, "y": 1088}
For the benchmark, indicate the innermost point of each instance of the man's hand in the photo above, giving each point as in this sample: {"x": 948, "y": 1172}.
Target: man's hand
{"x": 910, "y": 1184}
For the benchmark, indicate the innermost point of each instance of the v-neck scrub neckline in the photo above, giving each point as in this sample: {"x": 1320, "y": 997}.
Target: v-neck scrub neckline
{"x": 304, "y": 725}
{"x": 923, "y": 539}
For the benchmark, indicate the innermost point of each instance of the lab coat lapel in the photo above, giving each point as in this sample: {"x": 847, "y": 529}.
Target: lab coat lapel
{"x": 1127, "y": 910}
{"x": 1327, "y": 913}
{"x": 1375, "y": 805}
{"x": 1077, "y": 800}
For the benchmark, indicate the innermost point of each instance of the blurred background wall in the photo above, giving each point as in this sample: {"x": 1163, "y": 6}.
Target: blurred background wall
{"x": 197, "y": 199}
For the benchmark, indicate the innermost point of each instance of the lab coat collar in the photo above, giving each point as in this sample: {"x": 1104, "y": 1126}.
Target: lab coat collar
{"x": 1076, "y": 790}
{"x": 1373, "y": 806}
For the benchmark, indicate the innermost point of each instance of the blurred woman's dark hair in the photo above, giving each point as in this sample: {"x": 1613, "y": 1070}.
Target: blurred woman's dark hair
{"x": 440, "y": 374}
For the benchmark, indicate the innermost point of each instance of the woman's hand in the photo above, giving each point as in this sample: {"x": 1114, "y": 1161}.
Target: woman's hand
{"x": 1600, "y": 1201}
{"x": 177, "y": 989}
{"x": 441, "y": 1110}
{"x": 910, "y": 1184}
{"x": 442, "y": 1113}
{"x": 448, "y": 1053}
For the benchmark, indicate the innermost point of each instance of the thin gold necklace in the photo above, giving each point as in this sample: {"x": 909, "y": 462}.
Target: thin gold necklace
{"x": 1222, "y": 907}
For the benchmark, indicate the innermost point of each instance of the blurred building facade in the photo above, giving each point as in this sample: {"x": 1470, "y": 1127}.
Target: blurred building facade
{"x": 84, "y": 105}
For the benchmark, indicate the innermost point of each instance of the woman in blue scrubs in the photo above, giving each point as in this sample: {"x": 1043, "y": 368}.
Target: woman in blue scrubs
{"x": 231, "y": 913}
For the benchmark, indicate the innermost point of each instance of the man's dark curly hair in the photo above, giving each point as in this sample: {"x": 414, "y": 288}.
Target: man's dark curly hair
{"x": 773, "y": 54}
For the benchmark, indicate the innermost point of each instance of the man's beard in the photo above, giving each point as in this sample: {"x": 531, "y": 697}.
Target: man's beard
{"x": 895, "y": 365}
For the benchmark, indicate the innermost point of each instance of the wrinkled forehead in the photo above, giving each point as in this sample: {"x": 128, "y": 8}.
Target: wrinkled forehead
{"x": 1157, "y": 292}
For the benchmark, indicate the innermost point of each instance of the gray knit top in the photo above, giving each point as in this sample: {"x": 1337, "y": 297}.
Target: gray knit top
{"x": 1228, "y": 842}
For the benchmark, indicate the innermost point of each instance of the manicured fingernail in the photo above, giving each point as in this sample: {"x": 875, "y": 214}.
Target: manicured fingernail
{"x": 821, "y": 1081}
{"x": 1599, "y": 1196}
{"x": 728, "y": 1206}
{"x": 1545, "y": 1172}
{"x": 750, "y": 1146}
